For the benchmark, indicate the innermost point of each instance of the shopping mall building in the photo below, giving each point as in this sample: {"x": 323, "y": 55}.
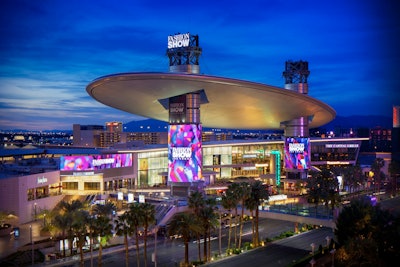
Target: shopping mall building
{"x": 188, "y": 101}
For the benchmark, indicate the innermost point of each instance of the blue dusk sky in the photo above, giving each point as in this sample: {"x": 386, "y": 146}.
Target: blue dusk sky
{"x": 50, "y": 50}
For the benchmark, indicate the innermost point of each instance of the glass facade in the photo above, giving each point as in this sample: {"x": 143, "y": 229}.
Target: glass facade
{"x": 151, "y": 166}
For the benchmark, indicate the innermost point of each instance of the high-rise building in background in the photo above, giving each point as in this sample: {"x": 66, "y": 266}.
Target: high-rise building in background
{"x": 87, "y": 135}
{"x": 396, "y": 116}
{"x": 396, "y": 134}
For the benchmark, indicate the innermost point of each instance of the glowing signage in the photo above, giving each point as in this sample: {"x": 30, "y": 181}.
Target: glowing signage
{"x": 341, "y": 145}
{"x": 96, "y": 162}
{"x": 184, "y": 152}
{"x": 297, "y": 153}
{"x": 130, "y": 198}
{"x": 181, "y": 153}
{"x": 179, "y": 40}
{"x": 41, "y": 180}
{"x": 99, "y": 162}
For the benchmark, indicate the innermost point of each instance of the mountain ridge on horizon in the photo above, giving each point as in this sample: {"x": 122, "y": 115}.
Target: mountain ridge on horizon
{"x": 347, "y": 122}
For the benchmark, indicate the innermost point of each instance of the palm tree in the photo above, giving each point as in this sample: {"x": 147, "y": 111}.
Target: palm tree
{"x": 228, "y": 203}
{"x": 122, "y": 228}
{"x": 196, "y": 203}
{"x": 209, "y": 220}
{"x": 187, "y": 226}
{"x": 103, "y": 228}
{"x": 68, "y": 209}
{"x": 243, "y": 191}
{"x": 376, "y": 167}
{"x": 79, "y": 226}
{"x": 62, "y": 222}
{"x": 135, "y": 221}
{"x": 394, "y": 171}
{"x": 233, "y": 193}
{"x": 259, "y": 192}
{"x": 148, "y": 215}
{"x": 107, "y": 209}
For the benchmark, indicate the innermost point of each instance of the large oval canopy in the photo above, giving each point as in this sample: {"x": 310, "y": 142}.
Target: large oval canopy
{"x": 231, "y": 103}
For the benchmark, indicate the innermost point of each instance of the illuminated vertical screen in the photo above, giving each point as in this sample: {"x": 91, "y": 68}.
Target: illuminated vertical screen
{"x": 297, "y": 153}
{"x": 184, "y": 152}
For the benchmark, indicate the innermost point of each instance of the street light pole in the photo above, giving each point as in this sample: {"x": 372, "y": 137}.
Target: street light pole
{"x": 220, "y": 233}
{"x": 30, "y": 234}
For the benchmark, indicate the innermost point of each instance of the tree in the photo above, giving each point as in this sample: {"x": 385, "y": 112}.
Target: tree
{"x": 258, "y": 193}
{"x": 68, "y": 210}
{"x": 368, "y": 234}
{"x": 229, "y": 203}
{"x": 62, "y": 222}
{"x": 187, "y": 226}
{"x": 196, "y": 202}
{"x": 394, "y": 171}
{"x": 101, "y": 225}
{"x": 148, "y": 215}
{"x": 233, "y": 192}
{"x": 135, "y": 221}
{"x": 122, "y": 228}
{"x": 376, "y": 167}
{"x": 80, "y": 221}
{"x": 243, "y": 191}
{"x": 323, "y": 186}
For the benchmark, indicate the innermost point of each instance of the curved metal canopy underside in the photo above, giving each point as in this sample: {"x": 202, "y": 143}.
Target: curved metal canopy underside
{"x": 232, "y": 104}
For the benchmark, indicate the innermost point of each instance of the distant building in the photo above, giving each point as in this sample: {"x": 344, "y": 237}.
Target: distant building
{"x": 396, "y": 134}
{"x": 87, "y": 135}
{"x": 381, "y": 139}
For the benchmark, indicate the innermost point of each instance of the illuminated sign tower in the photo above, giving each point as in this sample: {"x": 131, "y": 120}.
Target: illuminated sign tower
{"x": 184, "y": 131}
{"x": 183, "y": 53}
{"x": 296, "y": 131}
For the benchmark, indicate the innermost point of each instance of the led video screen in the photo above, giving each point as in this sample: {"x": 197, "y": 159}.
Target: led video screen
{"x": 297, "y": 153}
{"x": 97, "y": 162}
{"x": 184, "y": 153}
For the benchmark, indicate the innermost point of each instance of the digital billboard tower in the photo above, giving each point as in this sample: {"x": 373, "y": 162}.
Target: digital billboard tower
{"x": 296, "y": 131}
{"x": 184, "y": 131}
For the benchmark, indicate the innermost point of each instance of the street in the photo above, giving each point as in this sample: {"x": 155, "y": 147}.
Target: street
{"x": 170, "y": 252}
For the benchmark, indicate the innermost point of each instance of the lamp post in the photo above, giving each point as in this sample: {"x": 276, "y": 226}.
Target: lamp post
{"x": 328, "y": 239}
{"x": 312, "y": 248}
{"x": 333, "y": 254}
{"x": 30, "y": 234}
{"x": 220, "y": 233}
{"x": 35, "y": 210}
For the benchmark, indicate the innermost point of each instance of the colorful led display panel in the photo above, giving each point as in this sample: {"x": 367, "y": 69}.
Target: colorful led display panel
{"x": 297, "y": 153}
{"x": 97, "y": 162}
{"x": 184, "y": 152}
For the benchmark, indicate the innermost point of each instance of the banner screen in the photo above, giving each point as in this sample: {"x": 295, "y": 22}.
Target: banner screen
{"x": 297, "y": 153}
{"x": 97, "y": 162}
{"x": 184, "y": 152}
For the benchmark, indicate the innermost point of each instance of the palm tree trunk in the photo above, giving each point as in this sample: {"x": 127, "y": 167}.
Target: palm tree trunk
{"x": 253, "y": 227}
{"x": 100, "y": 254}
{"x": 236, "y": 222}
{"x": 229, "y": 232}
{"x": 126, "y": 250}
{"x": 145, "y": 245}
{"x": 137, "y": 248}
{"x": 241, "y": 226}
{"x": 205, "y": 246}
{"x": 209, "y": 244}
{"x": 257, "y": 241}
{"x": 81, "y": 253}
{"x": 186, "y": 253}
{"x": 198, "y": 245}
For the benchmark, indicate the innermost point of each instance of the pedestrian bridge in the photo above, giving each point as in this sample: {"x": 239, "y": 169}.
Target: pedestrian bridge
{"x": 277, "y": 213}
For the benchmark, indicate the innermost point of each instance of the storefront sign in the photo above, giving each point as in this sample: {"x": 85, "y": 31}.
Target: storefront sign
{"x": 41, "y": 180}
{"x": 179, "y": 40}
